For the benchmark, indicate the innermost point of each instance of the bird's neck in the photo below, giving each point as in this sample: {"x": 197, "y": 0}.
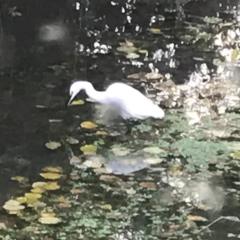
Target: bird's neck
{"x": 97, "y": 96}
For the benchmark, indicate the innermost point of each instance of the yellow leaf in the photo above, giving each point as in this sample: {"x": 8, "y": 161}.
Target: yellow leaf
{"x": 72, "y": 140}
{"x": 21, "y": 200}
{"x": 38, "y": 184}
{"x": 196, "y": 218}
{"x": 49, "y": 218}
{"x": 106, "y": 207}
{"x": 52, "y": 169}
{"x": 101, "y": 133}
{"x": 148, "y": 185}
{"x": 19, "y": 179}
{"x": 53, "y": 145}
{"x": 77, "y": 102}
{"x": 155, "y": 30}
{"x": 38, "y": 190}
{"x": 89, "y": 149}
{"x": 51, "y": 186}
{"x": 88, "y": 125}
{"x": 51, "y": 175}
{"x": 13, "y": 205}
{"x": 32, "y": 197}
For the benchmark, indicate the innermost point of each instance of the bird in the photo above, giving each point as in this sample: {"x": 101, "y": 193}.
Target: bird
{"x": 127, "y": 101}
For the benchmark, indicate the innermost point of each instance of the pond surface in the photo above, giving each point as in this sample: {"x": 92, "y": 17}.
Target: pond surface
{"x": 77, "y": 172}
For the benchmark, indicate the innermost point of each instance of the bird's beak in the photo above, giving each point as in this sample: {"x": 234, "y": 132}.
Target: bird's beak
{"x": 71, "y": 99}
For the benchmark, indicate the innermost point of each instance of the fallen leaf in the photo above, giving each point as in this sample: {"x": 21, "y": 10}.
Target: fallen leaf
{"x": 110, "y": 179}
{"x": 38, "y": 184}
{"x": 32, "y": 197}
{"x": 38, "y": 190}
{"x": 148, "y": 185}
{"x": 153, "y": 76}
{"x": 72, "y": 140}
{"x": 119, "y": 150}
{"x": 13, "y": 206}
{"x": 51, "y": 175}
{"x": 88, "y": 125}
{"x": 93, "y": 163}
{"x": 52, "y": 169}
{"x": 89, "y": 149}
{"x": 235, "y": 155}
{"x": 77, "y": 102}
{"x": 154, "y": 30}
{"x": 21, "y": 200}
{"x": 51, "y": 186}
{"x": 53, "y": 145}
{"x": 132, "y": 55}
{"x": 153, "y": 150}
{"x": 49, "y": 218}
{"x": 106, "y": 207}
{"x": 20, "y": 179}
{"x": 196, "y": 218}
{"x": 101, "y": 133}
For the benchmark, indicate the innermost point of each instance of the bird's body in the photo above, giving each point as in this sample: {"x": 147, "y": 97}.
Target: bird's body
{"x": 126, "y": 100}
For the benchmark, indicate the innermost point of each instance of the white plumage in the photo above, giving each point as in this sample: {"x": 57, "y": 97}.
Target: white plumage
{"x": 126, "y": 100}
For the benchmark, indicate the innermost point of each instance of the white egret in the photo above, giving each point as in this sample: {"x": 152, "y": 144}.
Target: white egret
{"x": 126, "y": 100}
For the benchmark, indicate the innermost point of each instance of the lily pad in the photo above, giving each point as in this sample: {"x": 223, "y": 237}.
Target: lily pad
{"x": 77, "y": 102}
{"x": 52, "y": 145}
{"x": 51, "y": 175}
{"x": 13, "y": 206}
{"x": 89, "y": 149}
{"x": 88, "y": 125}
{"x": 49, "y": 218}
{"x": 53, "y": 169}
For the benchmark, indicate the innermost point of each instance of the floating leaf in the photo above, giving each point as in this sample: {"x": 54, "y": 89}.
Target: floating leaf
{"x": 126, "y": 47}
{"x": 38, "y": 184}
{"x": 53, "y": 145}
{"x": 32, "y": 197}
{"x": 96, "y": 162}
{"x": 21, "y": 200}
{"x": 13, "y": 206}
{"x": 89, "y": 149}
{"x": 88, "y": 125}
{"x": 106, "y": 207}
{"x": 154, "y": 30}
{"x": 101, "y": 133}
{"x": 154, "y": 76}
{"x": 196, "y": 218}
{"x": 49, "y": 218}
{"x": 51, "y": 186}
{"x": 119, "y": 150}
{"x": 153, "y": 150}
{"x": 110, "y": 179}
{"x": 132, "y": 55}
{"x": 235, "y": 155}
{"x": 20, "y": 179}
{"x": 51, "y": 175}
{"x": 38, "y": 190}
{"x": 72, "y": 140}
{"x": 77, "y": 102}
{"x": 148, "y": 185}
{"x": 52, "y": 169}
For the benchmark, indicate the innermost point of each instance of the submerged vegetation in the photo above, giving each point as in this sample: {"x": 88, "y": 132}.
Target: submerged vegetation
{"x": 79, "y": 172}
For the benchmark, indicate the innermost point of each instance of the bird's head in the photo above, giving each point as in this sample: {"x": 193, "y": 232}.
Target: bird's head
{"x": 75, "y": 88}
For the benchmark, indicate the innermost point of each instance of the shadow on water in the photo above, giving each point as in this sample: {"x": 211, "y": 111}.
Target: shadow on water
{"x": 46, "y": 44}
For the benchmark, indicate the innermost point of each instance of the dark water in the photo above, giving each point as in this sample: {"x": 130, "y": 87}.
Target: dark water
{"x": 45, "y": 45}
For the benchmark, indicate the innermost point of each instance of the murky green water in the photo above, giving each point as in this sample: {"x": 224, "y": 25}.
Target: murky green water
{"x": 177, "y": 178}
